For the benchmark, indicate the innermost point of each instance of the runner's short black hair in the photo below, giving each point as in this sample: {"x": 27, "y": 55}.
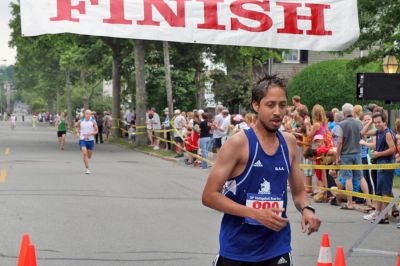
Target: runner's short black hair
{"x": 264, "y": 83}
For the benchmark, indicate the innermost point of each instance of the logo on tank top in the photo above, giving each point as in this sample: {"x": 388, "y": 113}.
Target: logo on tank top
{"x": 279, "y": 168}
{"x": 265, "y": 188}
{"x": 258, "y": 164}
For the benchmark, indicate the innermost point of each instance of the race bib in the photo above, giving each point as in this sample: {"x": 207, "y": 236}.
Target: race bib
{"x": 263, "y": 201}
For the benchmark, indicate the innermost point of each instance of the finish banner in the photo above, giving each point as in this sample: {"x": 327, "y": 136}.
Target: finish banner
{"x": 319, "y": 25}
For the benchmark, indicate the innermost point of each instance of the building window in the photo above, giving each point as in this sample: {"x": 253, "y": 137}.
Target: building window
{"x": 291, "y": 56}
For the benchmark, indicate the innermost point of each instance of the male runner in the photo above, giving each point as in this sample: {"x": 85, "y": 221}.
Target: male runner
{"x": 86, "y": 129}
{"x": 252, "y": 170}
{"x": 62, "y": 124}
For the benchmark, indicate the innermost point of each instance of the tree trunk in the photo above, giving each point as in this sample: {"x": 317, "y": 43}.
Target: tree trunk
{"x": 168, "y": 80}
{"x": 50, "y": 105}
{"x": 116, "y": 87}
{"x": 85, "y": 98}
{"x": 69, "y": 95}
{"x": 141, "y": 101}
{"x": 200, "y": 99}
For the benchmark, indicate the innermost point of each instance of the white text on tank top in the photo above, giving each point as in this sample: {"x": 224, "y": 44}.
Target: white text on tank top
{"x": 87, "y": 130}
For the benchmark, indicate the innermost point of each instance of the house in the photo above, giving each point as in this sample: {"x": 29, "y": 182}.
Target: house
{"x": 296, "y": 60}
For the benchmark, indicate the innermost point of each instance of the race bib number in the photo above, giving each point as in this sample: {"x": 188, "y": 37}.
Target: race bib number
{"x": 263, "y": 201}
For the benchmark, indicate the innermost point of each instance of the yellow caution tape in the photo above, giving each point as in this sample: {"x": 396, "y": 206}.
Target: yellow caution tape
{"x": 357, "y": 194}
{"x": 352, "y": 167}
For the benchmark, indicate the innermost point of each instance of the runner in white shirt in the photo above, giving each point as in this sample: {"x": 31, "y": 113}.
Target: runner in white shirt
{"x": 13, "y": 121}
{"x": 86, "y": 130}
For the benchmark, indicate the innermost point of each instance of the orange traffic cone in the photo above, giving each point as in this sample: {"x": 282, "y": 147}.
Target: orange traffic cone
{"x": 340, "y": 260}
{"x": 31, "y": 256}
{"x": 398, "y": 259}
{"x": 24, "y": 250}
{"x": 325, "y": 254}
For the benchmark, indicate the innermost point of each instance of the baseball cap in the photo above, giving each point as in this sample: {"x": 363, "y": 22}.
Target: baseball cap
{"x": 318, "y": 137}
{"x": 238, "y": 118}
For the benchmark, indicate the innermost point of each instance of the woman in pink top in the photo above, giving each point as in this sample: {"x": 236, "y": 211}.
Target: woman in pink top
{"x": 319, "y": 125}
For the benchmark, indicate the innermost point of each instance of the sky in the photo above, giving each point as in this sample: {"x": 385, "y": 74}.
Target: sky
{"x": 5, "y": 52}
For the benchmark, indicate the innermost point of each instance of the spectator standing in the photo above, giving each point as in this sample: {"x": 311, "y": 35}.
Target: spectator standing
{"x": 205, "y": 138}
{"x": 156, "y": 125}
{"x": 240, "y": 124}
{"x": 304, "y": 142}
{"x": 358, "y": 112}
{"x": 149, "y": 127}
{"x": 179, "y": 124}
{"x": 384, "y": 154}
{"x": 365, "y": 154}
{"x": 319, "y": 124}
{"x": 296, "y": 101}
{"x": 167, "y": 127}
{"x": 107, "y": 125}
{"x": 349, "y": 151}
{"x": 99, "y": 121}
{"x": 338, "y": 118}
{"x": 218, "y": 131}
{"x": 225, "y": 125}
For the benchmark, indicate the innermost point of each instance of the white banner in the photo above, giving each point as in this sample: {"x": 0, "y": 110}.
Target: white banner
{"x": 319, "y": 25}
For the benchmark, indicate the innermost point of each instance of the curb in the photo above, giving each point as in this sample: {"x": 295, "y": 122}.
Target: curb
{"x": 157, "y": 156}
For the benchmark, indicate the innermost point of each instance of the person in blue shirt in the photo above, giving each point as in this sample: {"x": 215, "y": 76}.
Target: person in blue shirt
{"x": 252, "y": 170}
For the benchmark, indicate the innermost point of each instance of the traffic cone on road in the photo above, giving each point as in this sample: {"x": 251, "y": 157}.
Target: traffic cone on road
{"x": 325, "y": 254}
{"x": 31, "y": 256}
{"x": 339, "y": 259}
{"x": 24, "y": 250}
{"x": 398, "y": 259}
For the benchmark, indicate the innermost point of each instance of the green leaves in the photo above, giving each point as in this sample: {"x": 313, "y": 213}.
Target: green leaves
{"x": 380, "y": 28}
{"x": 329, "y": 83}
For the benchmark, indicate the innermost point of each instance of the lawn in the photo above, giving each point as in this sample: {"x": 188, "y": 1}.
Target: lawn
{"x": 396, "y": 182}
{"x": 160, "y": 152}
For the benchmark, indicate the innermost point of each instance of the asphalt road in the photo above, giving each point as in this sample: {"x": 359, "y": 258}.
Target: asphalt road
{"x": 133, "y": 210}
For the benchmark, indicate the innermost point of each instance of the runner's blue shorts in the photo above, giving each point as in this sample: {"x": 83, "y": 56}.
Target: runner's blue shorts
{"x": 88, "y": 144}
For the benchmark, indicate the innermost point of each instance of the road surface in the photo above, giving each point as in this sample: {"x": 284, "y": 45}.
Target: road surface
{"x": 133, "y": 210}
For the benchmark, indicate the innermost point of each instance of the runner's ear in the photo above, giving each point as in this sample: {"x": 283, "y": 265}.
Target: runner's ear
{"x": 256, "y": 106}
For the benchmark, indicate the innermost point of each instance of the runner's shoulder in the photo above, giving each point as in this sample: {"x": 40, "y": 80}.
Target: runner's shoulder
{"x": 237, "y": 141}
{"x": 289, "y": 137}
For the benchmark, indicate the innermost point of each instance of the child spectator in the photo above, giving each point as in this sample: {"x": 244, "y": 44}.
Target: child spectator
{"x": 322, "y": 155}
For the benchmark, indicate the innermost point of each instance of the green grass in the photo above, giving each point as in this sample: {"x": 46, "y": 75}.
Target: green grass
{"x": 125, "y": 143}
{"x": 160, "y": 152}
{"x": 122, "y": 142}
{"x": 396, "y": 182}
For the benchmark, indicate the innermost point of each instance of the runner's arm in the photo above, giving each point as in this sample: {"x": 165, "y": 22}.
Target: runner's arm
{"x": 96, "y": 128}
{"x": 228, "y": 158}
{"x": 296, "y": 177}
{"x": 309, "y": 221}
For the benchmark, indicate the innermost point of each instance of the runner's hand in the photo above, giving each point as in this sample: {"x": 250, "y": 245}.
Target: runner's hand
{"x": 309, "y": 222}
{"x": 268, "y": 218}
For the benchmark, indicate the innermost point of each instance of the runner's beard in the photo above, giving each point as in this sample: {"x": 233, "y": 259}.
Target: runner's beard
{"x": 269, "y": 129}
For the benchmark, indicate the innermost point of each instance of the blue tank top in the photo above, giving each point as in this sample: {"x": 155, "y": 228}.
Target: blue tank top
{"x": 264, "y": 179}
{"x": 381, "y": 145}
